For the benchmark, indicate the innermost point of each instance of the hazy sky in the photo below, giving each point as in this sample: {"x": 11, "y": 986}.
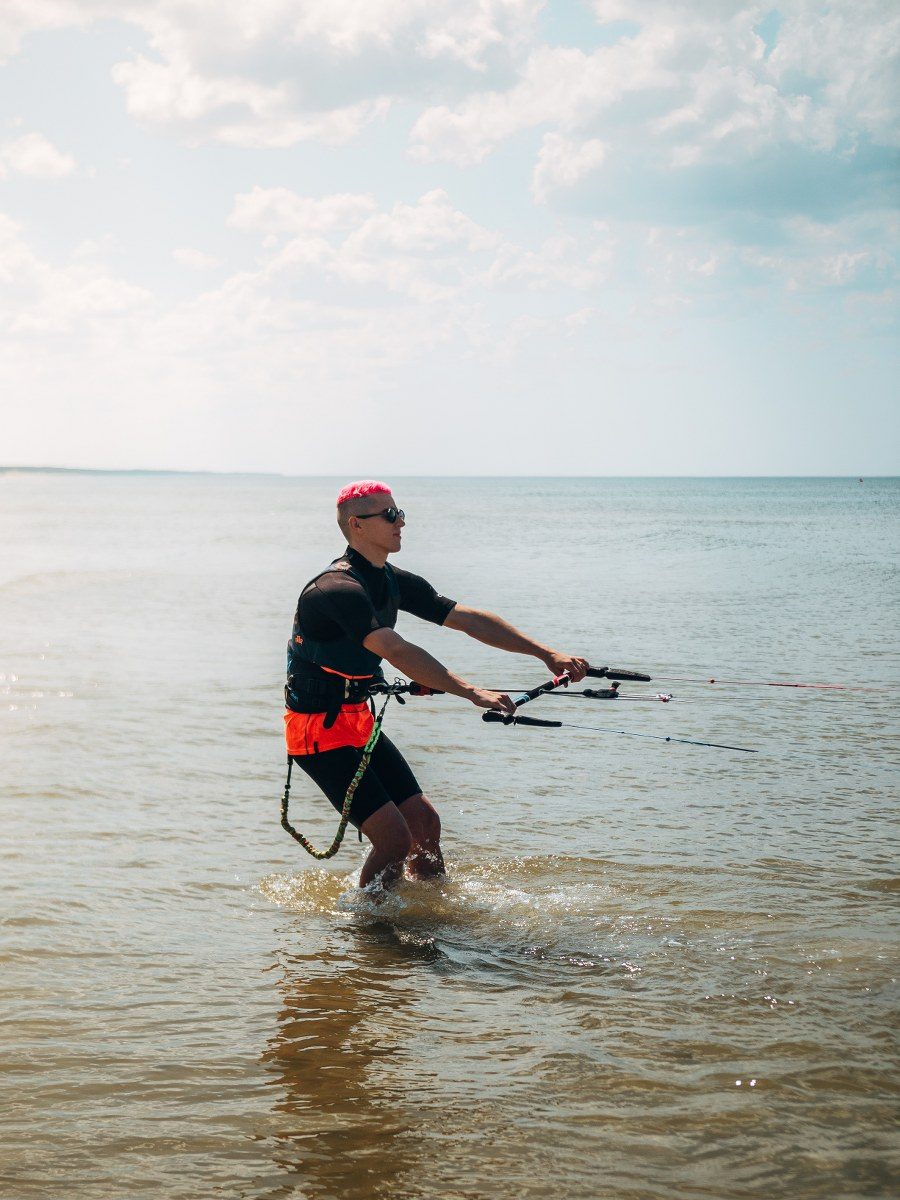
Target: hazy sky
{"x": 364, "y": 237}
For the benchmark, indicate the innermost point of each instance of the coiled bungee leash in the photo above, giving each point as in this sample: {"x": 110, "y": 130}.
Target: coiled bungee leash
{"x": 388, "y": 690}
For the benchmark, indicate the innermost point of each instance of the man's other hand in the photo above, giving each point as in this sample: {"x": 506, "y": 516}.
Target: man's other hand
{"x": 576, "y": 667}
{"x": 482, "y": 698}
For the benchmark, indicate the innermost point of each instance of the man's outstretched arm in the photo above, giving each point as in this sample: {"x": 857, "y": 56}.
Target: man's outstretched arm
{"x": 487, "y": 627}
{"x": 424, "y": 668}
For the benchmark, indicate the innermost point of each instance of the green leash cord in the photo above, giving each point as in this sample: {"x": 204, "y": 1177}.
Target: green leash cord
{"x": 348, "y": 798}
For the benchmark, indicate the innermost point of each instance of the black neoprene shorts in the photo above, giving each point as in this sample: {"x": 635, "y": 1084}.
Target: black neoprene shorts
{"x": 388, "y": 778}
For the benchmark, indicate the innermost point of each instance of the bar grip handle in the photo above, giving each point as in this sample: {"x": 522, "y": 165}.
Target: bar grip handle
{"x": 616, "y": 673}
{"x": 494, "y": 716}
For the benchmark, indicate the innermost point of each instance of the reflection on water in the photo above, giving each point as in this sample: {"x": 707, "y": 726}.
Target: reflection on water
{"x": 348, "y": 1129}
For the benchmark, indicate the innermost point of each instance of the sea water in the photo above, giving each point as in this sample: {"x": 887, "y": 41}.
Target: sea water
{"x": 653, "y": 969}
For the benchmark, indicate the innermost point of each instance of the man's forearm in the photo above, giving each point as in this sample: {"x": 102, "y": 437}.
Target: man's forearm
{"x": 487, "y": 627}
{"x": 424, "y": 668}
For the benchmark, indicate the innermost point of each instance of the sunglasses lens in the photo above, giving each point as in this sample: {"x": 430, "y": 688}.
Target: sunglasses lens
{"x": 391, "y": 515}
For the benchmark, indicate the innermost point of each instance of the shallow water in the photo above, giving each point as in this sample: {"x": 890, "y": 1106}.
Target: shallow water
{"x": 653, "y": 970}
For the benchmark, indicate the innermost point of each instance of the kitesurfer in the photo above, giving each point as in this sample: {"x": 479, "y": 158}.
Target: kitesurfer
{"x": 343, "y": 628}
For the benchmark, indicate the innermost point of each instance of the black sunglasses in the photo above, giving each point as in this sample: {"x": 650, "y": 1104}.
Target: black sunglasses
{"x": 390, "y": 515}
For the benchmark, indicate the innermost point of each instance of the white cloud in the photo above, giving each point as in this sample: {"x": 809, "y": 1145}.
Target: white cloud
{"x": 195, "y": 259}
{"x": 677, "y": 262}
{"x": 279, "y": 73}
{"x": 175, "y": 93}
{"x": 366, "y": 294}
{"x": 693, "y": 83}
{"x": 854, "y": 255}
{"x": 563, "y": 162}
{"x": 231, "y": 31}
{"x": 428, "y": 250}
{"x": 19, "y": 18}
{"x": 279, "y": 210}
{"x": 140, "y": 380}
{"x": 560, "y": 86}
{"x": 852, "y": 52}
{"x": 561, "y": 263}
{"x": 39, "y": 298}
{"x": 333, "y": 127}
{"x": 33, "y": 155}
{"x": 423, "y": 228}
{"x": 461, "y": 30}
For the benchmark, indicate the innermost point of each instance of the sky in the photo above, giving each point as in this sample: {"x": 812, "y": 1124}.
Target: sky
{"x": 450, "y": 237}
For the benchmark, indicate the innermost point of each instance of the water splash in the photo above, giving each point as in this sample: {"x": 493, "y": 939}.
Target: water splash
{"x": 505, "y": 912}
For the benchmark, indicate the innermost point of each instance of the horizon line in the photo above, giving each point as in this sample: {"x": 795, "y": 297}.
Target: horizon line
{"x": 31, "y": 469}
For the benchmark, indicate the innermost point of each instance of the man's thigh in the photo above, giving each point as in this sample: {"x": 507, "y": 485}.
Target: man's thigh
{"x": 393, "y": 771}
{"x": 397, "y": 777}
{"x": 388, "y": 779}
{"x": 333, "y": 770}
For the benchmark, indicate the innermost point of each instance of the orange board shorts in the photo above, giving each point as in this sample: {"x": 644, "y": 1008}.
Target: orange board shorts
{"x": 305, "y": 733}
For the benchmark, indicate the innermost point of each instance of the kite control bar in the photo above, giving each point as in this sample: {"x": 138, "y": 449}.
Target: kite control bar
{"x": 495, "y": 716}
{"x": 559, "y": 681}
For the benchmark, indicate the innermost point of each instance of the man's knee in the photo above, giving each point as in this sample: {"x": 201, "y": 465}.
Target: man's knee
{"x": 389, "y": 833}
{"x": 432, "y": 825}
{"x": 396, "y": 845}
{"x": 423, "y": 820}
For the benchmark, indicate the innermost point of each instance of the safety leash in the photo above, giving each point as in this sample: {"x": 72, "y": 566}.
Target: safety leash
{"x": 348, "y": 797}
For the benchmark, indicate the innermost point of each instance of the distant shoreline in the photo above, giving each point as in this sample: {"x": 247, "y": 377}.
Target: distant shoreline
{"x": 162, "y": 471}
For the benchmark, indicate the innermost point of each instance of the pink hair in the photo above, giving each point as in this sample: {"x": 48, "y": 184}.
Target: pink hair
{"x": 362, "y": 487}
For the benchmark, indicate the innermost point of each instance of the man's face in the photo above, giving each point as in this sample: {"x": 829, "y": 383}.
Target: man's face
{"x": 377, "y": 532}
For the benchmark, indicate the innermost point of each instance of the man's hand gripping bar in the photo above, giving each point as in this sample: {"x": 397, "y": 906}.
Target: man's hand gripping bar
{"x": 551, "y": 685}
{"x": 559, "y": 681}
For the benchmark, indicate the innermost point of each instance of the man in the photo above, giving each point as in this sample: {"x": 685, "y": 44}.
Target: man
{"x": 343, "y": 628}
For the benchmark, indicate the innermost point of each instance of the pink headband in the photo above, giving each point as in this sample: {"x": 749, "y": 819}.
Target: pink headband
{"x": 362, "y": 487}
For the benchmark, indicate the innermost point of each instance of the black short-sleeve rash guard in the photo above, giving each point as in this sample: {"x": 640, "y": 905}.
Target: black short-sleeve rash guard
{"x": 336, "y": 605}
